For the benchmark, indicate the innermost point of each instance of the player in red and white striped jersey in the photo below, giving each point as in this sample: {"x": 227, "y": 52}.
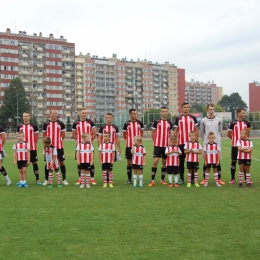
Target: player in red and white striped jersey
{"x": 192, "y": 149}
{"x": 85, "y": 158}
{"x": 107, "y": 158}
{"x": 52, "y": 163}
{"x": 211, "y": 158}
{"x": 161, "y": 130}
{"x": 84, "y": 125}
{"x": 138, "y": 160}
{"x": 131, "y": 128}
{"x": 2, "y": 154}
{"x": 31, "y": 136}
{"x": 244, "y": 156}
{"x": 234, "y": 131}
{"x": 172, "y": 161}
{"x": 21, "y": 158}
{"x": 55, "y": 129}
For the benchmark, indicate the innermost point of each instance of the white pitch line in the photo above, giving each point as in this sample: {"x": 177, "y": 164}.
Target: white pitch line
{"x": 252, "y": 157}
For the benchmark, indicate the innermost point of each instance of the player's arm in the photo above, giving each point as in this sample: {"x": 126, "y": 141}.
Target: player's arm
{"x": 74, "y": 134}
{"x": 118, "y": 143}
{"x": 92, "y": 158}
{"x": 100, "y": 157}
{"x": 152, "y": 134}
{"x": 3, "y": 136}
{"x": 93, "y": 133}
{"x": 113, "y": 157}
{"x": 205, "y": 158}
{"x": 15, "y": 157}
{"x": 176, "y": 131}
{"x": 124, "y": 134}
{"x": 186, "y": 151}
{"x": 142, "y": 132}
{"x": 197, "y": 133}
{"x": 218, "y": 157}
{"x": 77, "y": 156}
{"x": 28, "y": 156}
{"x": 229, "y": 134}
{"x": 144, "y": 160}
{"x": 63, "y": 134}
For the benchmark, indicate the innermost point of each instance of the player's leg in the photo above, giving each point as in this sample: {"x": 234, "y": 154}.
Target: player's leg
{"x": 78, "y": 170}
{"x": 219, "y": 175}
{"x": 110, "y": 175}
{"x": 20, "y": 168}
{"x": 169, "y": 171}
{"x": 140, "y": 173}
{"x": 58, "y": 176}
{"x": 3, "y": 171}
{"x": 128, "y": 157}
{"x": 104, "y": 174}
{"x": 61, "y": 159}
{"x": 233, "y": 164}
{"x": 163, "y": 170}
{"x": 154, "y": 170}
{"x": 208, "y": 166}
{"x": 34, "y": 159}
{"x": 195, "y": 172}
{"x": 82, "y": 175}
{"x": 182, "y": 161}
{"x": 241, "y": 172}
{"x": 189, "y": 167}
{"x": 248, "y": 177}
{"x": 88, "y": 178}
{"x": 216, "y": 176}
{"x": 92, "y": 174}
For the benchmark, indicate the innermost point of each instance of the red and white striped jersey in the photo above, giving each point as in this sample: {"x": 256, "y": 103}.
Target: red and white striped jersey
{"x": 192, "y": 157}
{"x": 244, "y": 143}
{"x": 29, "y": 131}
{"x": 236, "y": 128}
{"x": 138, "y": 155}
{"x": 83, "y": 127}
{"x": 106, "y": 152}
{"x": 49, "y": 153}
{"x": 112, "y": 129}
{"x": 2, "y": 132}
{"x": 173, "y": 158}
{"x": 212, "y": 151}
{"x": 185, "y": 124}
{"x": 21, "y": 150}
{"x": 132, "y": 129}
{"x": 162, "y": 132}
{"x": 85, "y": 152}
{"x": 53, "y": 130}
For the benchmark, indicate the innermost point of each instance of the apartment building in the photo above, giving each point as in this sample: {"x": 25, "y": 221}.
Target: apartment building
{"x": 46, "y": 66}
{"x": 254, "y": 93}
{"x": 202, "y": 93}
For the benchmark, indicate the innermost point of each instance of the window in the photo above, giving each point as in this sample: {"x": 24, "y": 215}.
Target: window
{"x": 50, "y": 47}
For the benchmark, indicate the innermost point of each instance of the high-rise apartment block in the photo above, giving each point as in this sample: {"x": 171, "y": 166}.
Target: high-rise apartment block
{"x": 254, "y": 93}
{"x": 46, "y": 66}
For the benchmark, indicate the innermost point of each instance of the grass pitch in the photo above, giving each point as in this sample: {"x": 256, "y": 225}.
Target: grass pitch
{"x": 126, "y": 223}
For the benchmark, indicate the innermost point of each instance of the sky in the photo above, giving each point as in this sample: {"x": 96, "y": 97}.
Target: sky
{"x": 212, "y": 40}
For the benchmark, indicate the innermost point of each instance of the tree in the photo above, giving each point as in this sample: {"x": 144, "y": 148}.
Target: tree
{"x": 8, "y": 112}
{"x": 198, "y": 108}
{"x": 68, "y": 125}
{"x": 231, "y": 103}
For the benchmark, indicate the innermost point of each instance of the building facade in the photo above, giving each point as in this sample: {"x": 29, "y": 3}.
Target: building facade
{"x": 254, "y": 93}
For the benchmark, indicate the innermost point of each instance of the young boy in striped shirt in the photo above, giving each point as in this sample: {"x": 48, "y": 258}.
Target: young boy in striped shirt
{"x": 107, "y": 159}
{"x": 211, "y": 158}
{"x": 244, "y": 156}
{"x": 84, "y": 153}
{"x": 173, "y": 161}
{"x": 138, "y": 160}
{"x": 21, "y": 159}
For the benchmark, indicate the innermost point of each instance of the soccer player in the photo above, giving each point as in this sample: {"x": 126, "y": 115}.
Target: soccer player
{"x": 183, "y": 125}
{"x": 172, "y": 161}
{"x": 2, "y": 143}
{"x": 85, "y": 159}
{"x": 244, "y": 156}
{"x": 234, "y": 131}
{"x": 211, "y": 158}
{"x": 50, "y": 154}
{"x": 84, "y": 125}
{"x": 55, "y": 129}
{"x": 21, "y": 159}
{"x": 31, "y": 136}
{"x": 161, "y": 130}
{"x": 192, "y": 149}
{"x": 211, "y": 123}
{"x": 131, "y": 128}
{"x": 107, "y": 158}
{"x": 138, "y": 160}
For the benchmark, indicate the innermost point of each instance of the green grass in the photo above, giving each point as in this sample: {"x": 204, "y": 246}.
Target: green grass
{"x": 127, "y": 223}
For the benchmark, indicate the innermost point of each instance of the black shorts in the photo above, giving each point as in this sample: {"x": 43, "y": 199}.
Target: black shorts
{"x": 107, "y": 166}
{"x": 138, "y": 167}
{"x": 21, "y": 164}
{"x": 246, "y": 162}
{"x": 33, "y": 156}
{"x": 60, "y": 155}
{"x": 192, "y": 165}
{"x": 211, "y": 165}
{"x": 128, "y": 154}
{"x": 159, "y": 152}
{"x": 182, "y": 156}
{"x": 173, "y": 170}
{"x": 234, "y": 152}
{"x": 85, "y": 166}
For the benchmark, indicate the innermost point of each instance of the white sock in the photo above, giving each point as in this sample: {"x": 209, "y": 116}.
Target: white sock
{"x": 176, "y": 178}
{"x": 170, "y": 178}
{"x": 135, "y": 177}
{"x": 141, "y": 178}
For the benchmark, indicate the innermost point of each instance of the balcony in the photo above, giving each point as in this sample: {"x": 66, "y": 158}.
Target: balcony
{"x": 66, "y": 51}
{"x": 25, "y": 47}
{"x": 79, "y": 93}
{"x": 79, "y": 74}
{"x": 79, "y": 99}
{"x": 39, "y": 56}
{"x": 67, "y": 83}
{"x": 67, "y": 59}
{"x": 40, "y": 73}
{"x": 25, "y": 80}
{"x": 68, "y": 90}
{"x": 39, "y": 49}
{"x": 78, "y": 79}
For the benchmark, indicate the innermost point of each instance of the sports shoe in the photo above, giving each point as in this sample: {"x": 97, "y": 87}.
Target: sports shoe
{"x": 81, "y": 186}
{"x": 20, "y": 185}
{"x": 170, "y": 185}
{"x": 152, "y": 183}
{"x": 218, "y": 184}
{"x": 202, "y": 182}
{"x": 93, "y": 182}
{"x": 176, "y": 185}
{"x": 8, "y": 181}
{"x": 65, "y": 182}
{"x": 87, "y": 186}
{"x": 141, "y": 185}
{"x": 188, "y": 184}
{"x": 206, "y": 184}
{"x": 17, "y": 183}
{"x": 78, "y": 182}
{"x": 249, "y": 184}
{"x": 50, "y": 186}
{"x": 110, "y": 185}
{"x": 26, "y": 185}
{"x": 45, "y": 183}
{"x": 59, "y": 186}
{"x": 196, "y": 185}
{"x": 244, "y": 180}
{"x": 181, "y": 182}
{"x": 221, "y": 182}
{"x": 232, "y": 181}
{"x": 104, "y": 185}
{"x": 163, "y": 182}
{"x": 134, "y": 186}
{"x": 240, "y": 185}
{"x": 38, "y": 183}
{"x": 128, "y": 182}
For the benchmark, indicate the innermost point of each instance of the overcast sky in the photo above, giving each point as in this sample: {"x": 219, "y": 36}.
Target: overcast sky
{"x": 211, "y": 40}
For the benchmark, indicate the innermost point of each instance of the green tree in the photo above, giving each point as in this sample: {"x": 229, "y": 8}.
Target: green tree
{"x": 8, "y": 112}
{"x": 68, "y": 125}
{"x": 198, "y": 108}
{"x": 219, "y": 108}
{"x": 231, "y": 103}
